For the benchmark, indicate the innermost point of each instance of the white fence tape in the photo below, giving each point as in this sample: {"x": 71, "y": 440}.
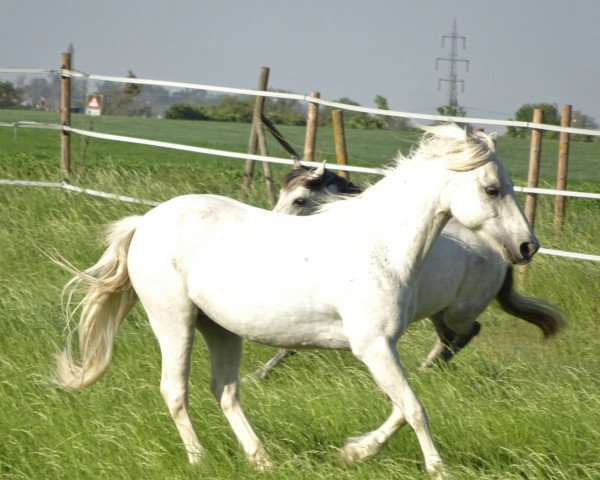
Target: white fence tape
{"x": 327, "y": 103}
{"x": 259, "y": 158}
{"x": 24, "y": 124}
{"x": 71, "y": 188}
{"x": 284, "y": 161}
{"x": 28, "y": 70}
{"x": 244, "y": 156}
{"x": 307, "y": 98}
{"x": 558, "y": 193}
{"x": 211, "y": 151}
{"x": 123, "y": 198}
{"x": 577, "y": 256}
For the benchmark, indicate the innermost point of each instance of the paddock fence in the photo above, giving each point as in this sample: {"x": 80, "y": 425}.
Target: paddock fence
{"x": 65, "y": 130}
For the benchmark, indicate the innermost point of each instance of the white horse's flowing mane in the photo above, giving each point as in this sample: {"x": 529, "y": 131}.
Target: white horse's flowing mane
{"x": 460, "y": 149}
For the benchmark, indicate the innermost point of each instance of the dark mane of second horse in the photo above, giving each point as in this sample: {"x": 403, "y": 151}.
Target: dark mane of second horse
{"x": 315, "y": 182}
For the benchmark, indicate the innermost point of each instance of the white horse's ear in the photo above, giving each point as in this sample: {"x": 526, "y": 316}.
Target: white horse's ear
{"x": 493, "y": 136}
{"x": 319, "y": 172}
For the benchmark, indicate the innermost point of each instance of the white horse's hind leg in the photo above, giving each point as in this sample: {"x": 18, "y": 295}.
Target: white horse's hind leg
{"x": 175, "y": 335}
{"x": 225, "y": 355}
{"x": 381, "y": 357}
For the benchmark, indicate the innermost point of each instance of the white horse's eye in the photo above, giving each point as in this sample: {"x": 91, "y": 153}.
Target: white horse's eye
{"x": 492, "y": 191}
{"x": 299, "y": 201}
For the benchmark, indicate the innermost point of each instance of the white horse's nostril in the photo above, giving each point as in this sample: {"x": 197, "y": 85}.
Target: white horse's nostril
{"x": 528, "y": 249}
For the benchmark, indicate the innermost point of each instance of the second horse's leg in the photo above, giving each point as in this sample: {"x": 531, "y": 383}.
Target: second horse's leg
{"x": 262, "y": 372}
{"x": 449, "y": 342}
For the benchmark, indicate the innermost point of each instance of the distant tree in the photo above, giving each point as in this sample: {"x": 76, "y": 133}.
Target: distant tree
{"x": 231, "y": 109}
{"x": 234, "y": 109}
{"x": 123, "y": 100}
{"x": 391, "y": 123}
{"x": 79, "y": 91}
{"x": 550, "y": 116}
{"x": 10, "y": 97}
{"x": 580, "y": 120}
{"x": 285, "y": 111}
{"x": 132, "y": 90}
{"x": 128, "y": 103}
{"x": 452, "y": 111}
{"x": 189, "y": 95}
{"x": 353, "y": 119}
{"x": 185, "y": 111}
{"x": 111, "y": 92}
{"x": 347, "y": 101}
{"x": 39, "y": 88}
{"x": 381, "y": 102}
{"x": 366, "y": 122}
{"x": 325, "y": 113}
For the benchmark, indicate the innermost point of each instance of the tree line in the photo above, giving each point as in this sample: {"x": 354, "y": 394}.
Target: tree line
{"x": 551, "y": 116}
{"x": 154, "y": 101}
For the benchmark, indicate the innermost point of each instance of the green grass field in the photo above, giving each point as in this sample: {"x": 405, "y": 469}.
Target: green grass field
{"x": 511, "y": 406}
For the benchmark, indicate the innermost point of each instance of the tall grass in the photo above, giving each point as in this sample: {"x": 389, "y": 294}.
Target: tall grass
{"x": 511, "y": 406}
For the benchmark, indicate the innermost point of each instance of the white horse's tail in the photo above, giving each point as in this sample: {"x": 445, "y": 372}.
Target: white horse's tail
{"x": 109, "y": 296}
{"x": 539, "y": 312}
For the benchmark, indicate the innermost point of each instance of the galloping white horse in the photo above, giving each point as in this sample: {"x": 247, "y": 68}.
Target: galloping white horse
{"x": 463, "y": 273}
{"x": 193, "y": 263}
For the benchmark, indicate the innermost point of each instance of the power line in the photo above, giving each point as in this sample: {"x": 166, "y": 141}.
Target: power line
{"x": 453, "y": 59}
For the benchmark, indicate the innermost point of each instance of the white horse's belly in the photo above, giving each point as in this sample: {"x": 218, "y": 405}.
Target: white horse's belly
{"x": 253, "y": 303}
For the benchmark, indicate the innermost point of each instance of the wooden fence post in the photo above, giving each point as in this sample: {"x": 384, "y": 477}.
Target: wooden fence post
{"x": 259, "y": 105}
{"x": 262, "y": 145}
{"x": 341, "y": 155}
{"x": 533, "y": 175}
{"x": 563, "y": 167}
{"x": 312, "y": 117}
{"x": 65, "y": 117}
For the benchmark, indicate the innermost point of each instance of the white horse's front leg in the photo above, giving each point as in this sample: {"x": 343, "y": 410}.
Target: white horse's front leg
{"x": 370, "y": 444}
{"x": 379, "y": 354}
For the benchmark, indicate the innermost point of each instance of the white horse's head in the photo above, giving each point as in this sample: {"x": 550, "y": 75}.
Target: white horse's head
{"x": 481, "y": 196}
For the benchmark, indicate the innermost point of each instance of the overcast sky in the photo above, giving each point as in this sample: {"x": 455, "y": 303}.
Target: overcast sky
{"x": 520, "y": 51}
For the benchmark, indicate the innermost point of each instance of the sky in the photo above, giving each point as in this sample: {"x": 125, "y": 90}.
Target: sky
{"x": 519, "y": 51}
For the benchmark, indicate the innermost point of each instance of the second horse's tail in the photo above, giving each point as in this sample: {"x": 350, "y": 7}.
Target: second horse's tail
{"x": 109, "y": 296}
{"x": 539, "y": 312}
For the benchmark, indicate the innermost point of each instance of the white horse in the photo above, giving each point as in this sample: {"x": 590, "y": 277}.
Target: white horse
{"x": 463, "y": 273}
{"x": 233, "y": 271}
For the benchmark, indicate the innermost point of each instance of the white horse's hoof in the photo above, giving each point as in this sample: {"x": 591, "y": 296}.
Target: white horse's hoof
{"x": 358, "y": 449}
{"x": 437, "y": 470}
{"x": 260, "y": 460}
{"x": 196, "y": 457}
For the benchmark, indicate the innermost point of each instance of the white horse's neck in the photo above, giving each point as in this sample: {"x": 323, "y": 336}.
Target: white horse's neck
{"x": 413, "y": 214}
